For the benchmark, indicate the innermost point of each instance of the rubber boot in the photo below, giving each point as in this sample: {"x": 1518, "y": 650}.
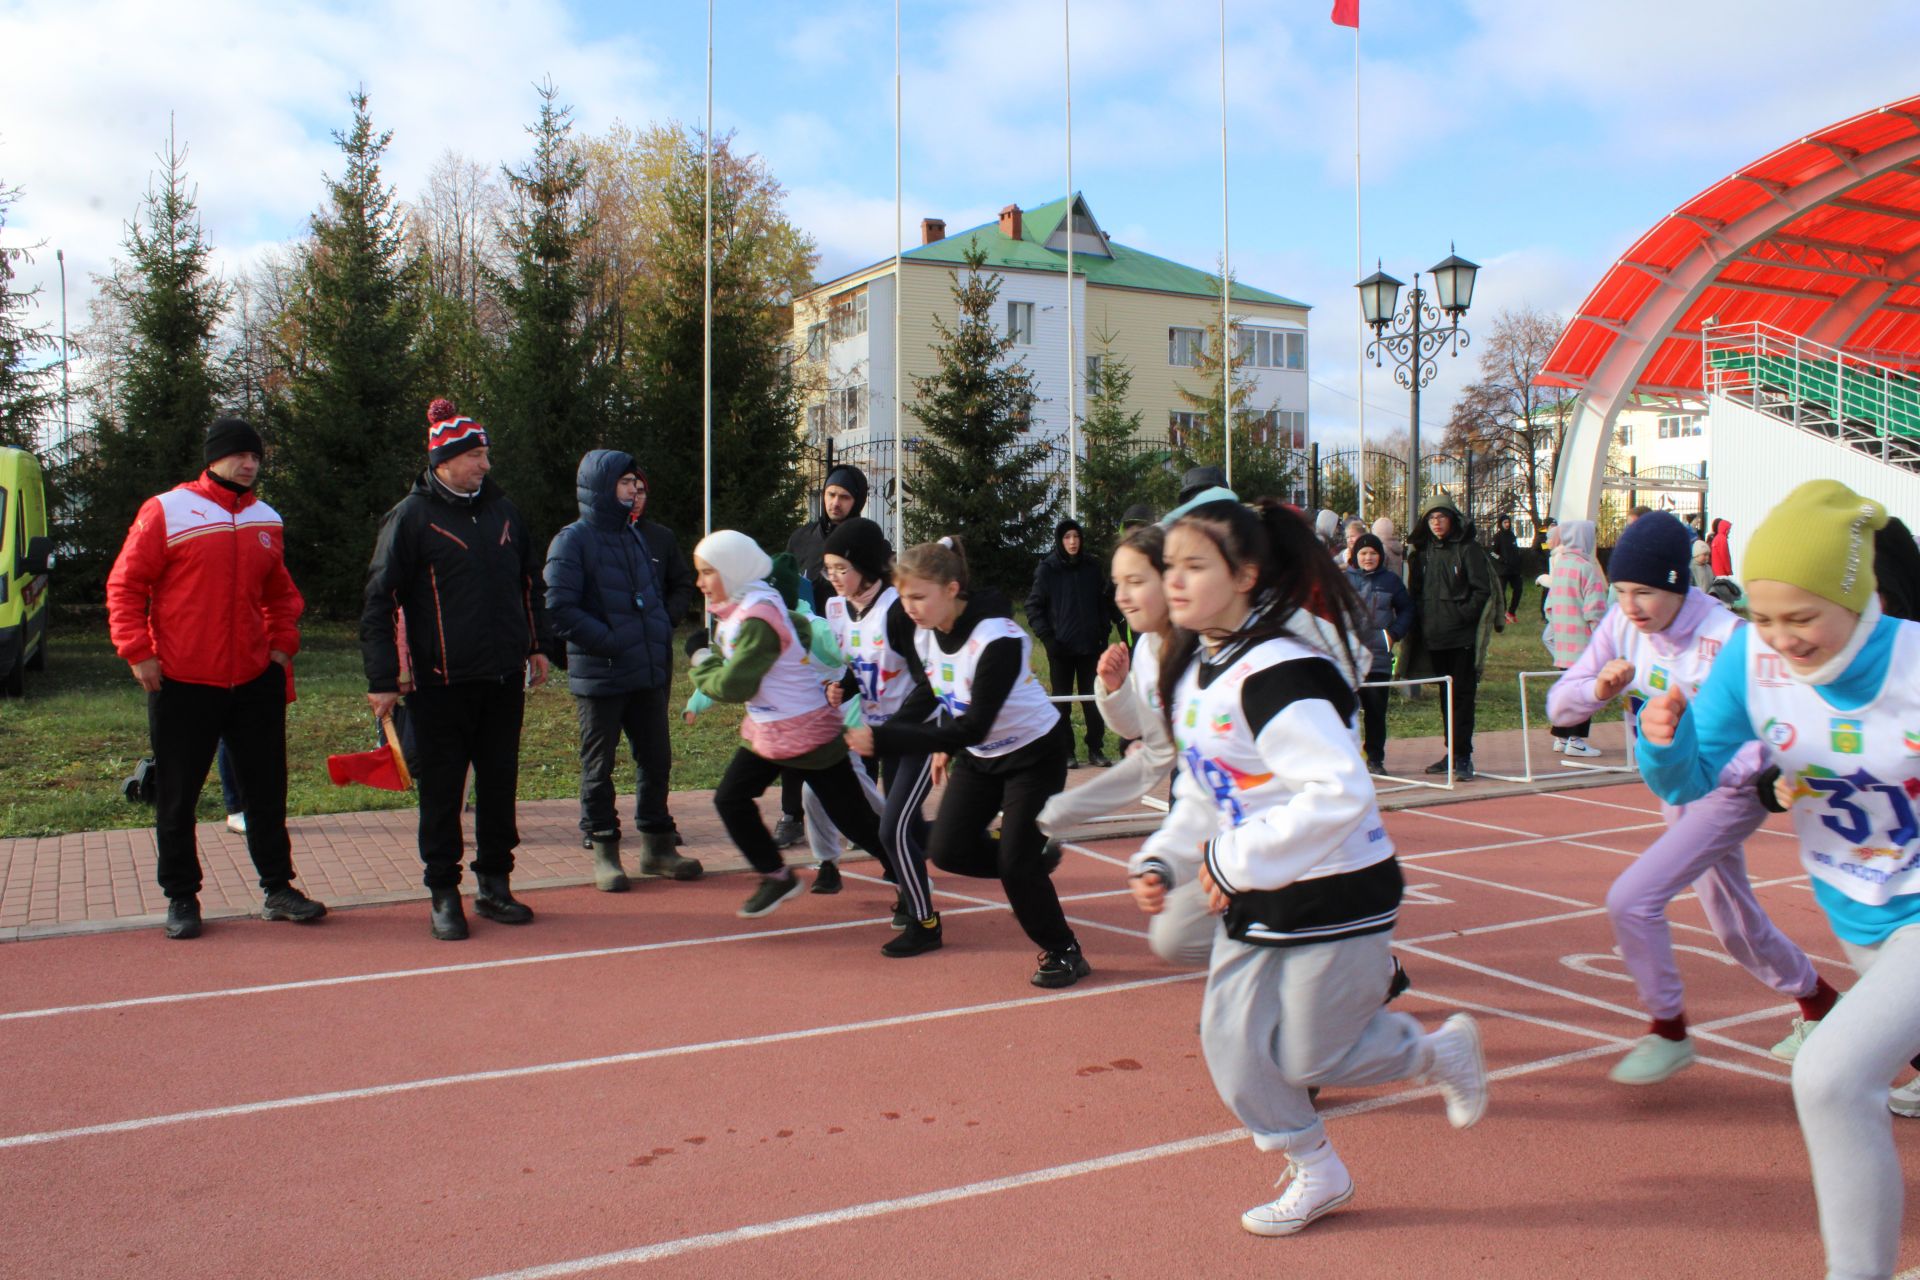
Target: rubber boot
{"x": 496, "y": 902}
{"x": 661, "y": 858}
{"x": 608, "y": 875}
{"x": 449, "y": 920}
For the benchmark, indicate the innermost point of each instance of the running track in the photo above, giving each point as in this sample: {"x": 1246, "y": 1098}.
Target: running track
{"x": 644, "y": 1085}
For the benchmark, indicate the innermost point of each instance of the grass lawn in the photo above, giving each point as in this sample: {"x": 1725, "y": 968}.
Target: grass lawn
{"x": 82, "y": 726}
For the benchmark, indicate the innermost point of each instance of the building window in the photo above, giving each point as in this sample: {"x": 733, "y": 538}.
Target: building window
{"x": 1186, "y": 346}
{"x": 816, "y": 421}
{"x": 1093, "y": 370}
{"x": 847, "y": 315}
{"x": 1272, "y": 348}
{"x": 850, "y": 407}
{"x": 816, "y": 342}
{"x": 1183, "y": 426}
{"x": 1020, "y": 323}
{"x": 1679, "y": 426}
{"x": 1291, "y": 426}
{"x": 1625, "y": 434}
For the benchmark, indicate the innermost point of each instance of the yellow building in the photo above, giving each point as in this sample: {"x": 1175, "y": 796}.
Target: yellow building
{"x": 1147, "y": 310}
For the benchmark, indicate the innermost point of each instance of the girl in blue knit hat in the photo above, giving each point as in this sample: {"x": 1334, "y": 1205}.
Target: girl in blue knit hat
{"x": 1664, "y": 633}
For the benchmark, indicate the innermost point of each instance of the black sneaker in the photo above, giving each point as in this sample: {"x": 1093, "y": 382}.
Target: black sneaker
{"x": 918, "y": 938}
{"x": 772, "y": 891}
{"x": 1377, "y": 767}
{"x": 1098, "y": 760}
{"x": 183, "y": 917}
{"x": 1073, "y": 762}
{"x": 789, "y": 831}
{"x": 1463, "y": 770}
{"x": 901, "y": 916}
{"x": 1061, "y": 968}
{"x": 1438, "y": 766}
{"x": 1399, "y": 983}
{"x": 827, "y": 878}
{"x": 291, "y": 904}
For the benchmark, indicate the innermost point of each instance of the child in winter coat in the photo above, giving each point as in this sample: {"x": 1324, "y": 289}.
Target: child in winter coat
{"x": 1576, "y": 601}
{"x": 1665, "y": 634}
{"x": 1386, "y": 615}
{"x": 763, "y": 659}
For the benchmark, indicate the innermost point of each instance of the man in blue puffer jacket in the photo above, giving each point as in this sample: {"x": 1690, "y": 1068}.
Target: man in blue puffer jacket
{"x": 1386, "y": 615}
{"x": 609, "y": 599}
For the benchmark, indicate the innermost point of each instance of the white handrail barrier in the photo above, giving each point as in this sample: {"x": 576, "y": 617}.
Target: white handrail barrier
{"x": 1526, "y": 740}
{"x": 1446, "y": 736}
{"x": 1155, "y": 806}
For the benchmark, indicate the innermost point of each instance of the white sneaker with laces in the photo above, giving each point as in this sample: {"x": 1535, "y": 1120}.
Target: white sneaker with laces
{"x": 1582, "y": 748}
{"x": 1905, "y": 1100}
{"x": 1317, "y": 1184}
{"x": 1457, "y": 1065}
{"x": 237, "y": 823}
{"x": 1797, "y": 1034}
{"x": 1559, "y": 745}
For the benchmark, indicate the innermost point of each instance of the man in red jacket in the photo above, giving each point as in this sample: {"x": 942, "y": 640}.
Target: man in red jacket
{"x": 201, "y": 607}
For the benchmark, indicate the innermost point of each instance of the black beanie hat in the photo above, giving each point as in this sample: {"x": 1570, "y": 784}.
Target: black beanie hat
{"x": 1367, "y": 542}
{"x": 1138, "y": 513}
{"x": 862, "y": 544}
{"x": 1200, "y": 479}
{"x": 1654, "y": 551}
{"x": 228, "y": 436}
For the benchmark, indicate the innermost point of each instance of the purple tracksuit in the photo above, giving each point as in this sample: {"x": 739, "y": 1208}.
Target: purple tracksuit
{"x": 1702, "y": 846}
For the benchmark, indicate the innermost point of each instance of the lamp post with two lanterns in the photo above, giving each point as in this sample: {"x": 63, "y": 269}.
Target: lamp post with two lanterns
{"x": 1413, "y": 336}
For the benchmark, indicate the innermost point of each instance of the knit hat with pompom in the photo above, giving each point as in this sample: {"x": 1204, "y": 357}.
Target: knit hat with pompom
{"x": 448, "y": 434}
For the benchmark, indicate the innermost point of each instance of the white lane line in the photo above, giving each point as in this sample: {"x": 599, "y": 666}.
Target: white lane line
{"x": 990, "y": 1186}
{"x": 1530, "y": 840}
{"x": 1510, "y": 888}
{"x": 1001, "y": 906}
{"x": 1469, "y": 822}
{"x": 1094, "y": 854}
{"x": 1607, "y": 804}
{"x": 1746, "y": 1069}
{"x": 1547, "y": 989}
{"x": 575, "y": 1064}
{"x": 1502, "y": 927}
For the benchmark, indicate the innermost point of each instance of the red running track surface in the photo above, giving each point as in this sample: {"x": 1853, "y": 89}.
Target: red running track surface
{"x": 646, "y": 1085}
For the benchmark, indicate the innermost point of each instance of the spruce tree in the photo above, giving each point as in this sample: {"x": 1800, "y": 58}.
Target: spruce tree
{"x": 168, "y": 387}
{"x": 1262, "y": 466}
{"x": 976, "y": 477}
{"x": 546, "y": 399}
{"x": 1119, "y": 469}
{"x": 757, "y": 487}
{"x": 26, "y": 397}
{"x": 354, "y": 432}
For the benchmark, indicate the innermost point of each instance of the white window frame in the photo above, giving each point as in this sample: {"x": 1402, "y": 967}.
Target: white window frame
{"x": 1180, "y": 422}
{"x": 817, "y": 341}
{"x": 1020, "y": 323}
{"x": 1185, "y": 340}
{"x": 847, "y": 314}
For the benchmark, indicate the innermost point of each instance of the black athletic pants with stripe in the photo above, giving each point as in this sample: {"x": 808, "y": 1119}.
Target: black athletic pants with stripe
{"x": 906, "y": 780}
{"x": 748, "y": 776}
{"x": 1015, "y": 786}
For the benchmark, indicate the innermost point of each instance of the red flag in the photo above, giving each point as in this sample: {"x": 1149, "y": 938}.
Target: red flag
{"x": 1346, "y": 13}
{"x": 371, "y": 768}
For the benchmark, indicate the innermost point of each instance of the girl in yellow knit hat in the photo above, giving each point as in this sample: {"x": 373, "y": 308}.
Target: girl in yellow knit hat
{"x": 1829, "y": 683}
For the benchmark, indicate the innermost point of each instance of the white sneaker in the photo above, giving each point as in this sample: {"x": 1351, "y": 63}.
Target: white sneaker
{"x": 1459, "y": 1068}
{"x": 237, "y": 823}
{"x": 1905, "y": 1100}
{"x": 1653, "y": 1059}
{"x": 1788, "y": 1049}
{"x": 1582, "y": 748}
{"x": 1559, "y": 745}
{"x": 1317, "y": 1184}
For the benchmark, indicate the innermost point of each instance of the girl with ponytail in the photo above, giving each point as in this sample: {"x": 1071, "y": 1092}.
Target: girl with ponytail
{"x": 998, "y": 732}
{"x": 1274, "y": 816}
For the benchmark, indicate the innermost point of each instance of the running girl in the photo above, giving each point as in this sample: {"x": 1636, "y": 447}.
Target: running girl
{"x": 1827, "y": 681}
{"x": 877, "y": 638}
{"x": 763, "y": 661}
{"x": 1663, "y": 633}
{"x": 1277, "y": 822}
{"x": 1000, "y": 734}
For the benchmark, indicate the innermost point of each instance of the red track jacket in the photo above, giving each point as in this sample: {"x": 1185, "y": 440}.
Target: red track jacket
{"x": 202, "y": 584}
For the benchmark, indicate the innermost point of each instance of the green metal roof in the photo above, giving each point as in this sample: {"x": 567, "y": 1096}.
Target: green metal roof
{"x": 1126, "y": 269}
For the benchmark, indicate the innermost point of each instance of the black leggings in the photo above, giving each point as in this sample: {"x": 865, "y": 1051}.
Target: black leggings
{"x": 961, "y": 843}
{"x": 748, "y": 776}
{"x": 1516, "y": 586}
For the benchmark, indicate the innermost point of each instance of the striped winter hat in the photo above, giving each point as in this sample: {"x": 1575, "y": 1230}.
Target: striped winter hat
{"x": 448, "y": 434}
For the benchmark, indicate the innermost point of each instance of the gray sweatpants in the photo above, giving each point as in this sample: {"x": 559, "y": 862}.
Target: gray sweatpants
{"x": 1840, "y": 1080}
{"x": 1182, "y": 934}
{"x": 1280, "y": 1020}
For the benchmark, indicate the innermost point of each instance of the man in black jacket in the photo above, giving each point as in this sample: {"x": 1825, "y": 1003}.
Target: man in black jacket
{"x": 1507, "y": 566}
{"x": 1069, "y": 613}
{"x": 454, "y": 609}
{"x": 610, "y": 595}
{"x": 1451, "y": 582}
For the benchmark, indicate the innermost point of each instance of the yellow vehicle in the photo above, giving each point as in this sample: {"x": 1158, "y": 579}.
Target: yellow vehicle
{"x": 26, "y": 560}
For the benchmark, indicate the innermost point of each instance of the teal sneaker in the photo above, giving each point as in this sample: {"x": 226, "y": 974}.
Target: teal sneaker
{"x": 1796, "y": 1036}
{"x": 1652, "y": 1060}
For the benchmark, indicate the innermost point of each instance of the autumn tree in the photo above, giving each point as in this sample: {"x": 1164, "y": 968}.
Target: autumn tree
{"x": 1504, "y": 414}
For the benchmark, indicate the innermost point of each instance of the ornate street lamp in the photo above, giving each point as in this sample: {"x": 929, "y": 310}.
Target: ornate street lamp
{"x": 1413, "y": 336}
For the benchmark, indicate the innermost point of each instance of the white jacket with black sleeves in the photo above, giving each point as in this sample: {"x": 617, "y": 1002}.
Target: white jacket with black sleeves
{"x": 1274, "y": 796}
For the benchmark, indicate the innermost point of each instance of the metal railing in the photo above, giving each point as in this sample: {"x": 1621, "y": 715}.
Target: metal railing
{"x": 1527, "y": 774}
{"x": 1446, "y": 737}
{"x": 1844, "y": 396}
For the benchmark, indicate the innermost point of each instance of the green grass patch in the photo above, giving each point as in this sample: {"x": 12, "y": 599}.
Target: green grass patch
{"x": 83, "y": 726}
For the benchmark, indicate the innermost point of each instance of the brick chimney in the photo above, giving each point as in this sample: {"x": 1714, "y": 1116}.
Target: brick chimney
{"x": 1010, "y": 222}
{"x": 932, "y": 229}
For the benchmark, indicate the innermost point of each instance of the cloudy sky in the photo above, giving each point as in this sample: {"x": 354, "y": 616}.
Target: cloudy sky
{"x": 1539, "y": 138}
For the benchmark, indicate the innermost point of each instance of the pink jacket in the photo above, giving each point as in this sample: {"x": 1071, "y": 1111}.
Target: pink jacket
{"x": 1576, "y": 593}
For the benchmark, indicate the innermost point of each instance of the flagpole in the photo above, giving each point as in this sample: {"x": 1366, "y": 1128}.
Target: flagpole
{"x": 1073, "y": 406}
{"x": 1360, "y": 346}
{"x": 899, "y": 287}
{"x": 1226, "y": 266}
{"x": 706, "y": 339}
